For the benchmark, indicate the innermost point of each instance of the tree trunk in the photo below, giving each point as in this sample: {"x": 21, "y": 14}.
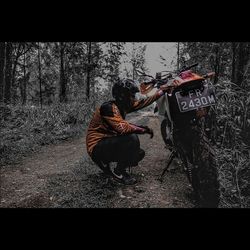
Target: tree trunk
{"x": 62, "y": 75}
{"x": 24, "y": 94}
{"x": 240, "y": 64}
{"x": 233, "y": 61}
{"x": 242, "y": 61}
{"x": 15, "y": 65}
{"x": 133, "y": 71}
{"x": 217, "y": 64}
{"x": 2, "y": 61}
{"x": 133, "y": 61}
{"x": 178, "y": 56}
{"x": 88, "y": 70}
{"x": 7, "y": 89}
{"x": 40, "y": 75}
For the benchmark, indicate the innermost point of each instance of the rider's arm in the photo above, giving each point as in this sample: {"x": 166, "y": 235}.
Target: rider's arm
{"x": 113, "y": 119}
{"x": 147, "y": 101}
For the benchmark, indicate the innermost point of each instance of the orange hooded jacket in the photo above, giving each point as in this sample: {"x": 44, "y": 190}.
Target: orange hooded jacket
{"x": 108, "y": 121}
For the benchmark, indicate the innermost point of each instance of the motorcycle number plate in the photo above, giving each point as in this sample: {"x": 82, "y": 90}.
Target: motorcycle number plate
{"x": 195, "y": 99}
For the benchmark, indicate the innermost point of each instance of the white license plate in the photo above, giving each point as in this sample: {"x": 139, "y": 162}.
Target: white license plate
{"x": 195, "y": 99}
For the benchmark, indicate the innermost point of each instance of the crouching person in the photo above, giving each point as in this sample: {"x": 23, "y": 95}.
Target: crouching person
{"x": 110, "y": 138}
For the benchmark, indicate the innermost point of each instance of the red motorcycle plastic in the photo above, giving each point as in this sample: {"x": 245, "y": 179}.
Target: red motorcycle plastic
{"x": 184, "y": 111}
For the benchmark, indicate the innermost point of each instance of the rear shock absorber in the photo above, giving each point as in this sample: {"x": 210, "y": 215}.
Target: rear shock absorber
{"x": 189, "y": 172}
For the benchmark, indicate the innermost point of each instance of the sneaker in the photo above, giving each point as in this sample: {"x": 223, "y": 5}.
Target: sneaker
{"x": 123, "y": 177}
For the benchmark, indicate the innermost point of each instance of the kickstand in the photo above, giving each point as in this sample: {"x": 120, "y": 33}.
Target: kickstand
{"x": 170, "y": 159}
{"x": 130, "y": 170}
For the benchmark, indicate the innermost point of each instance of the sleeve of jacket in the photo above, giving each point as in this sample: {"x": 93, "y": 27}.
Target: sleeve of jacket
{"x": 147, "y": 101}
{"x": 112, "y": 117}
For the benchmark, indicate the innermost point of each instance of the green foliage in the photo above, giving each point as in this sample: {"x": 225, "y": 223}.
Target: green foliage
{"x": 28, "y": 126}
{"x": 234, "y": 172}
{"x": 233, "y": 114}
{"x": 215, "y": 56}
{"x": 233, "y": 143}
{"x": 25, "y": 128}
{"x": 232, "y": 123}
{"x": 135, "y": 59}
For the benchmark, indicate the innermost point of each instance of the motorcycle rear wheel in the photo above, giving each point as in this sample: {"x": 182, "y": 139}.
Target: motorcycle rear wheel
{"x": 205, "y": 174}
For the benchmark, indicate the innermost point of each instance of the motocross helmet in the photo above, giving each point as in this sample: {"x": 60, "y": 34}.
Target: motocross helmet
{"x": 123, "y": 90}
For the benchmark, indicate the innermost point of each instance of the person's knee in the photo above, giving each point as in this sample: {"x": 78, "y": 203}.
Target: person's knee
{"x": 133, "y": 141}
{"x": 141, "y": 154}
{"x": 138, "y": 157}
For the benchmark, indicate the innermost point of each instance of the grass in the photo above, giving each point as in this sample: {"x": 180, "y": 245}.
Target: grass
{"x": 234, "y": 178}
{"x": 25, "y": 128}
{"x": 233, "y": 144}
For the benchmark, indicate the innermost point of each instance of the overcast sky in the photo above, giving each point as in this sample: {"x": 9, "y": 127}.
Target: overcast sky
{"x": 168, "y": 50}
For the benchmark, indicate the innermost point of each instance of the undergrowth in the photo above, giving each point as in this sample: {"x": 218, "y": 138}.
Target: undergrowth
{"x": 24, "y": 128}
{"x": 232, "y": 134}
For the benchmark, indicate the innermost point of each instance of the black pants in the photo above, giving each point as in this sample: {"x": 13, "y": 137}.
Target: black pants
{"x": 124, "y": 149}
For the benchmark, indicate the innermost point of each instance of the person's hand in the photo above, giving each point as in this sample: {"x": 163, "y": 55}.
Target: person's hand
{"x": 165, "y": 88}
{"x": 148, "y": 131}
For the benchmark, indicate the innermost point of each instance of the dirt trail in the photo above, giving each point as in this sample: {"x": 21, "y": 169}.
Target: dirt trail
{"x": 64, "y": 176}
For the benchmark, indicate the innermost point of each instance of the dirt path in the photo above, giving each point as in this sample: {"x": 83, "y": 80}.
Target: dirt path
{"x": 64, "y": 176}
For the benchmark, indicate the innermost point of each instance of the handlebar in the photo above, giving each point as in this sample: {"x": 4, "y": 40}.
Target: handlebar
{"x": 189, "y": 67}
{"x": 158, "y": 80}
{"x": 208, "y": 75}
{"x": 168, "y": 75}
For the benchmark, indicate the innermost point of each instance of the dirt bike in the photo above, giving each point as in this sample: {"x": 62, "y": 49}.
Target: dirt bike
{"x": 183, "y": 112}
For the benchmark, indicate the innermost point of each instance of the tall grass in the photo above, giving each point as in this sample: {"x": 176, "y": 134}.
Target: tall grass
{"x": 233, "y": 144}
{"x": 23, "y": 128}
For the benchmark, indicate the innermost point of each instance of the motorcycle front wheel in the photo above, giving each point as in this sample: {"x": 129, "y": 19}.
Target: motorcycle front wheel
{"x": 165, "y": 124}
